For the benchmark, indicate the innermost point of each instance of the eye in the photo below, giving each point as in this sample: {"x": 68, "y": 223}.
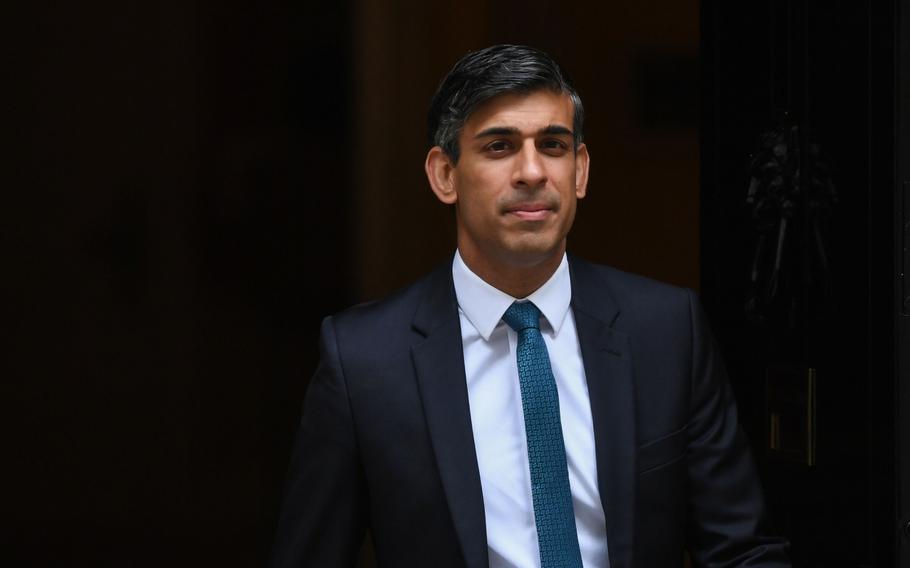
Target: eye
{"x": 554, "y": 146}
{"x": 498, "y": 146}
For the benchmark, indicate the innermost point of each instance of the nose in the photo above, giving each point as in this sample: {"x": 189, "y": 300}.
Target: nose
{"x": 529, "y": 167}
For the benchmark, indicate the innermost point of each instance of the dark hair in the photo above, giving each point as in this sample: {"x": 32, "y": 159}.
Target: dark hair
{"x": 484, "y": 74}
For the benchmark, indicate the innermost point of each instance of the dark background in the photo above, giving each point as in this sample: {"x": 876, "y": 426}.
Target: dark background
{"x": 829, "y": 71}
{"x": 192, "y": 186}
{"x": 176, "y": 226}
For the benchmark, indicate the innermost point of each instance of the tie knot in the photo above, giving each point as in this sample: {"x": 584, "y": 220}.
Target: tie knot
{"x": 522, "y": 315}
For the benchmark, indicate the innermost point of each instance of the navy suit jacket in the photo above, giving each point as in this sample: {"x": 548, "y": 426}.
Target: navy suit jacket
{"x": 385, "y": 440}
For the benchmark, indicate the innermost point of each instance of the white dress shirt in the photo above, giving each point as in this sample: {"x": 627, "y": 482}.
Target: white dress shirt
{"x": 498, "y": 422}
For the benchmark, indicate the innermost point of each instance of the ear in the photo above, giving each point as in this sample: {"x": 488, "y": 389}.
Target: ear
{"x": 582, "y": 163}
{"x": 440, "y": 173}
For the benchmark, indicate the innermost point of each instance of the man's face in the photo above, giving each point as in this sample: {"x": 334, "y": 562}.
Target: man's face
{"x": 517, "y": 180}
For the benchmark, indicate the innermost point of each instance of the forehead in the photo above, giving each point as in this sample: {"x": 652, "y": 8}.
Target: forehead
{"x": 524, "y": 111}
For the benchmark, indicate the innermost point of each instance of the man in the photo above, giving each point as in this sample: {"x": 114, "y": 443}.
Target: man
{"x": 520, "y": 407}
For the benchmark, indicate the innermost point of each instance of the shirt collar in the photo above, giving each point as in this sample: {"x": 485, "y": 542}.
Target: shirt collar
{"x": 484, "y": 305}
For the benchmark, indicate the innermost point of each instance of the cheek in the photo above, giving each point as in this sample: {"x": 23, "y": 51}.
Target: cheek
{"x": 477, "y": 177}
{"x": 475, "y": 214}
{"x": 477, "y": 191}
{"x": 570, "y": 213}
{"x": 566, "y": 174}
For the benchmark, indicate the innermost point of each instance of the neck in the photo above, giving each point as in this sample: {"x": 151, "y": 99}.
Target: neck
{"x": 518, "y": 280}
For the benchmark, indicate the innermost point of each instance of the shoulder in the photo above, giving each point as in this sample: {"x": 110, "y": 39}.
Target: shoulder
{"x": 397, "y": 312}
{"x": 371, "y": 343}
{"x": 651, "y": 312}
{"x": 630, "y": 292}
{"x": 622, "y": 282}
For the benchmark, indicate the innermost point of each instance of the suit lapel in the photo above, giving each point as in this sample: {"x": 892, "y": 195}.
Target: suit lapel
{"x": 439, "y": 366}
{"x": 607, "y": 362}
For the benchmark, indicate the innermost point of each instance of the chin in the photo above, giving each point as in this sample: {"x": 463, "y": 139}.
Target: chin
{"x": 533, "y": 253}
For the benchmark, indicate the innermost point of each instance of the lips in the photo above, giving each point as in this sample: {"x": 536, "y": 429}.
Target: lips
{"x": 530, "y": 211}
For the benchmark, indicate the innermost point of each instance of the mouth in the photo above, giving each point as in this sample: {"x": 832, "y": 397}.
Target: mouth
{"x": 530, "y": 211}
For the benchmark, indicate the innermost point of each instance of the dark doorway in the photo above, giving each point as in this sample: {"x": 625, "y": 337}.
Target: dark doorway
{"x": 798, "y": 218}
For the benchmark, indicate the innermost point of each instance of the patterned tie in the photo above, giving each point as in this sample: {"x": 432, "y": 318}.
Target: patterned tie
{"x": 553, "y": 513}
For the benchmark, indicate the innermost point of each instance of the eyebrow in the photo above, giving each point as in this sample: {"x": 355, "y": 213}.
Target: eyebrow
{"x": 551, "y": 130}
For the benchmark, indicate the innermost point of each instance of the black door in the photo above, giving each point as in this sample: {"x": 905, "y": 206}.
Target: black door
{"x": 803, "y": 150}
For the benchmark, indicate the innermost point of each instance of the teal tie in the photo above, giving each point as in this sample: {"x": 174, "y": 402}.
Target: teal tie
{"x": 553, "y": 513}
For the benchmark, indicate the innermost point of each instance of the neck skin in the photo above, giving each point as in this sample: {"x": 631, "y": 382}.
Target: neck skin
{"x": 516, "y": 279}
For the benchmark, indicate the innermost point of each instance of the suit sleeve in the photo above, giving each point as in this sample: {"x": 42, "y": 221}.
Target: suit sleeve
{"x": 728, "y": 522}
{"x": 323, "y": 516}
